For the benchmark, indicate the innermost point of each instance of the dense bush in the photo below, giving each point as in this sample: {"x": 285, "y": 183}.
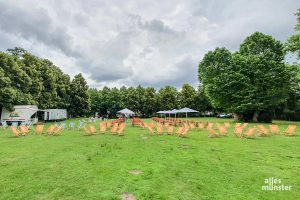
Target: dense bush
{"x": 265, "y": 116}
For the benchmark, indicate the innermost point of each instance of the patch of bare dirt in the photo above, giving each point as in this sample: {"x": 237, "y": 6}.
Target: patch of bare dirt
{"x": 135, "y": 172}
{"x": 128, "y": 196}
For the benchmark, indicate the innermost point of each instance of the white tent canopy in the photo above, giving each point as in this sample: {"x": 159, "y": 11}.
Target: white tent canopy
{"x": 186, "y": 111}
{"x": 174, "y": 111}
{"x": 126, "y": 111}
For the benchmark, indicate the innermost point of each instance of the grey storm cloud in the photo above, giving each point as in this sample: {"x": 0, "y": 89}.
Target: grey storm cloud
{"x": 152, "y": 43}
{"x": 36, "y": 25}
{"x": 185, "y": 72}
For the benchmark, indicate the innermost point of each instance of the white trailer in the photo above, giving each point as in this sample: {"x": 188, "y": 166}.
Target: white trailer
{"x": 55, "y": 114}
{"x": 21, "y": 113}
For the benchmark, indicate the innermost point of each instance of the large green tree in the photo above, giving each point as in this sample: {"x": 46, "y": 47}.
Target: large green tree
{"x": 28, "y": 79}
{"x": 95, "y": 100}
{"x": 167, "y": 98}
{"x": 150, "y": 107}
{"x": 290, "y": 110}
{"x": 293, "y": 44}
{"x": 187, "y": 96}
{"x": 15, "y": 83}
{"x": 80, "y": 101}
{"x": 202, "y": 103}
{"x": 252, "y": 80}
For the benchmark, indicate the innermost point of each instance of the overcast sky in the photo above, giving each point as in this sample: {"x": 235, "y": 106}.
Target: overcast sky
{"x": 130, "y": 42}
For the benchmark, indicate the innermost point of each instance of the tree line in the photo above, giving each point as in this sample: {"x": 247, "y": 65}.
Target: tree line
{"x": 26, "y": 79}
{"x": 146, "y": 101}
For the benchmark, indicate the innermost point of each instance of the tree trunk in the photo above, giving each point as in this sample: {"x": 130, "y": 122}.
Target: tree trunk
{"x": 255, "y": 116}
{"x": 236, "y": 117}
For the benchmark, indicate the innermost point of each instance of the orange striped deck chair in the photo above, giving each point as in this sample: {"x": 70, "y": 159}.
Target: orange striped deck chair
{"x": 236, "y": 125}
{"x": 146, "y": 125}
{"x": 87, "y": 131}
{"x": 244, "y": 125}
{"x": 186, "y": 125}
{"x": 263, "y": 131}
{"x": 93, "y": 129}
{"x": 159, "y": 129}
{"x": 290, "y": 131}
{"x": 15, "y": 131}
{"x": 184, "y": 132}
{"x": 143, "y": 124}
{"x": 108, "y": 124}
{"x": 238, "y": 131}
{"x": 57, "y": 131}
{"x": 102, "y": 128}
{"x": 223, "y": 130}
{"x": 151, "y": 124}
{"x": 151, "y": 130}
{"x": 274, "y": 129}
{"x": 180, "y": 130}
{"x": 39, "y": 129}
{"x": 219, "y": 125}
{"x": 170, "y": 130}
{"x": 227, "y": 125}
{"x": 212, "y": 133}
{"x": 24, "y": 130}
{"x": 114, "y": 129}
{"x": 121, "y": 129}
{"x": 200, "y": 125}
{"x": 192, "y": 125}
{"x": 250, "y": 133}
{"x": 50, "y": 129}
{"x": 209, "y": 125}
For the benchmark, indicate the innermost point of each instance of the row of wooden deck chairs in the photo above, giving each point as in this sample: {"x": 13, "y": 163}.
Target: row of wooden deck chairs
{"x": 262, "y": 131}
{"x": 172, "y": 121}
{"x": 20, "y": 131}
{"x": 39, "y": 130}
{"x": 217, "y": 130}
{"x": 136, "y": 121}
{"x": 169, "y": 129}
{"x": 105, "y": 127}
{"x": 118, "y": 121}
{"x": 242, "y": 130}
{"x": 51, "y": 130}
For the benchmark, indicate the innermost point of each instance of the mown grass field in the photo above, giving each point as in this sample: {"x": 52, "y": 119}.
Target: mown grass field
{"x": 73, "y": 166}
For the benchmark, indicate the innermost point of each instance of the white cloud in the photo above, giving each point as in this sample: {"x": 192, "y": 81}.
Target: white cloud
{"x": 152, "y": 43}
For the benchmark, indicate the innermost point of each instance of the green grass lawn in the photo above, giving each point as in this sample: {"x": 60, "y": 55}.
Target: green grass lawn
{"x": 73, "y": 166}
